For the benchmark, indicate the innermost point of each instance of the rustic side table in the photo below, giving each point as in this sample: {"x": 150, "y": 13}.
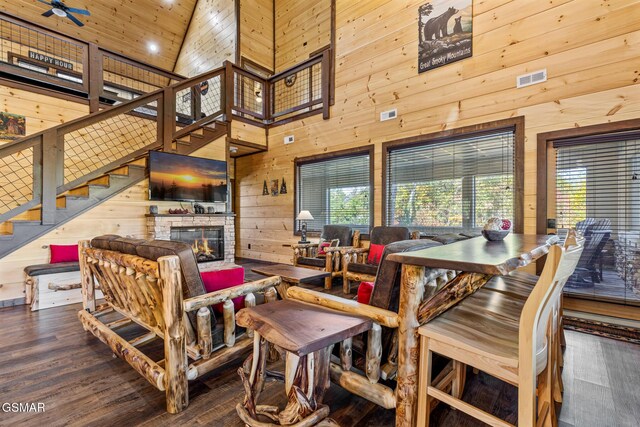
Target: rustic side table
{"x": 306, "y": 333}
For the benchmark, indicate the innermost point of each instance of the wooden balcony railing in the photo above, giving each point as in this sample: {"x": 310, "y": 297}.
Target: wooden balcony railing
{"x": 38, "y": 54}
{"x": 150, "y": 109}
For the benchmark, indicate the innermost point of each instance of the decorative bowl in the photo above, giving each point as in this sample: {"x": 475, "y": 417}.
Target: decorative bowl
{"x": 495, "y": 235}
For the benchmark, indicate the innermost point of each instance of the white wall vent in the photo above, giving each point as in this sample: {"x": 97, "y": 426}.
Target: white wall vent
{"x": 389, "y": 115}
{"x": 531, "y": 78}
{"x": 288, "y": 139}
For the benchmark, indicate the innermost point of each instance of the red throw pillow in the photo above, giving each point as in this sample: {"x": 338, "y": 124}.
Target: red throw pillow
{"x": 223, "y": 279}
{"x": 63, "y": 253}
{"x": 322, "y": 246}
{"x": 375, "y": 253}
{"x": 364, "y": 292}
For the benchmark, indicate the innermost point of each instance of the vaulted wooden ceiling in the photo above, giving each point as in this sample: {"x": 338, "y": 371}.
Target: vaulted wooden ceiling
{"x": 124, "y": 26}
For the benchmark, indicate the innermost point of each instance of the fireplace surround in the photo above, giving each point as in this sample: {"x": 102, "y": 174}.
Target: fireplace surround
{"x": 207, "y": 242}
{"x": 189, "y": 228}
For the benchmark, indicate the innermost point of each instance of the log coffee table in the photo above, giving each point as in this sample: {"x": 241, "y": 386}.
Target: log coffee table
{"x": 290, "y": 275}
{"x": 306, "y": 334}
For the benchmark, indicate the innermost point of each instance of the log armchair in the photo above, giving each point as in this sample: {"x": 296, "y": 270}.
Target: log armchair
{"x": 309, "y": 255}
{"x": 380, "y": 346}
{"x": 157, "y": 285}
{"x": 355, "y": 265}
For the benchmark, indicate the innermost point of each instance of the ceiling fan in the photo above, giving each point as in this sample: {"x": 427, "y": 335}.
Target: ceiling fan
{"x": 60, "y": 9}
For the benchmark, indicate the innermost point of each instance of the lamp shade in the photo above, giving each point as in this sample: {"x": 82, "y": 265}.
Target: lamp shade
{"x": 304, "y": 215}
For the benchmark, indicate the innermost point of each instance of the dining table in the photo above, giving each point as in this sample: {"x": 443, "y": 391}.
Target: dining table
{"x": 422, "y": 298}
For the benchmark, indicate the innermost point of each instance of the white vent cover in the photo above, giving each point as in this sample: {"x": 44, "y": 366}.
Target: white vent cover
{"x": 389, "y": 115}
{"x": 531, "y": 78}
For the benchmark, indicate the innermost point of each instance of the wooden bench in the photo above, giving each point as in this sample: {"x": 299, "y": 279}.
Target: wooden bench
{"x": 52, "y": 285}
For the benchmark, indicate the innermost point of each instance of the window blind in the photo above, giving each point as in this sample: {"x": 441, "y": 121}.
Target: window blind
{"x": 597, "y": 182}
{"x": 336, "y": 191}
{"x": 451, "y": 184}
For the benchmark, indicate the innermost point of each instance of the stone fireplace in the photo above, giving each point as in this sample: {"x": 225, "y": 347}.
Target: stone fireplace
{"x": 211, "y": 236}
{"x": 207, "y": 242}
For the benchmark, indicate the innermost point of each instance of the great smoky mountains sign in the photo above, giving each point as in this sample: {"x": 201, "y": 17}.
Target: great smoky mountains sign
{"x": 444, "y": 33}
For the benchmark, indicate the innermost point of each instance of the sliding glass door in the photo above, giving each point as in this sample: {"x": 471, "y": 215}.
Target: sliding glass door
{"x": 597, "y": 191}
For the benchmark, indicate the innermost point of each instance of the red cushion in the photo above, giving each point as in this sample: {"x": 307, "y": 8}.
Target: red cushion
{"x": 364, "y": 292}
{"x": 223, "y": 279}
{"x": 375, "y": 253}
{"x": 322, "y": 246}
{"x": 63, "y": 253}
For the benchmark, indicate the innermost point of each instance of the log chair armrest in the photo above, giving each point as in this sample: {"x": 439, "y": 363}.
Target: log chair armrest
{"x": 379, "y": 315}
{"x": 304, "y": 250}
{"x": 217, "y": 297}
{"x": 337, "y": 249}
{"x": 345, "y": 250}
{"x": 305, "y": 245}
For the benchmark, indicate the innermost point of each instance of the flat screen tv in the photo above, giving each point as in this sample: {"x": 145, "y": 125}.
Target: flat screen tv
{"x": 184, "y": 178}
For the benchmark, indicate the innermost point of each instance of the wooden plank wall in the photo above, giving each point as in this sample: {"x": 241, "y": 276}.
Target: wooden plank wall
{"x": 210, "y": 39}
{"x": 126, "y": 26}
{"x": 256, "y": 31}
{"x": 302, "y": 27}
{"x": 41, "y": 112}
{"x": 590, "y": 49}
{"x": 123, "y": 214}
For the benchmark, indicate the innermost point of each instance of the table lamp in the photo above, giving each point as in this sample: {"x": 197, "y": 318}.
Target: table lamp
{"x": 304, "y": 216}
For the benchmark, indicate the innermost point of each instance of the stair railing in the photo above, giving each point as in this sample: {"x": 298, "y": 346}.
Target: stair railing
{"x": 36, "y": 169}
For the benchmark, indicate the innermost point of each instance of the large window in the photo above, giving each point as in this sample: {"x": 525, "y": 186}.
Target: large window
{"x": 451, "y": 184}
{"x": 336, "y": 189}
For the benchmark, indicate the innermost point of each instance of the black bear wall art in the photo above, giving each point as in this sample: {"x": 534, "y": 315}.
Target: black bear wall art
{"x": 444, "y": 33}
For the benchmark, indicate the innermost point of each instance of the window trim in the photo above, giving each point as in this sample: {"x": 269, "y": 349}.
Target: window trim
{"x": 351, "y": 152}
{"x": 515, "y": 124}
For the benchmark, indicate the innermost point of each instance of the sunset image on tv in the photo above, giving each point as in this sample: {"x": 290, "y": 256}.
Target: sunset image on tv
{"x": 177, "y": 177}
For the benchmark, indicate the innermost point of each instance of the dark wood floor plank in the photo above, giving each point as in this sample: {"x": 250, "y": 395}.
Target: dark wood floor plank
{"x": 47, "y": 357}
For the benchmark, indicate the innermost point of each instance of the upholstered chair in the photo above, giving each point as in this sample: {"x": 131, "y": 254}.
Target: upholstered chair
{"x": 325, "y": 255}
{"x": 358, "y": 264}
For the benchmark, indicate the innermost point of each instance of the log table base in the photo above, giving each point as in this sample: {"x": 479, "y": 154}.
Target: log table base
{"x": 306, "y": 380}
{"x": 305, "y": 334}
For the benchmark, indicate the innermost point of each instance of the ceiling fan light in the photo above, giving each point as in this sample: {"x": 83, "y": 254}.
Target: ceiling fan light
{"x": 59, "y": 12}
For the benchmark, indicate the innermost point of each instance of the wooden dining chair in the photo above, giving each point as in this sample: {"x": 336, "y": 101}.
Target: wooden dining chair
{"x": 518, "y": 286}
{"x": 507, "y": 337}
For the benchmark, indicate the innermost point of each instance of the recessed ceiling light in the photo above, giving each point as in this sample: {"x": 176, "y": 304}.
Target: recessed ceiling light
{"x": 153, "y": 48}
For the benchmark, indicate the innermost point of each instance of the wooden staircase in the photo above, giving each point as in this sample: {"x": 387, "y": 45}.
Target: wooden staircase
{"x": 27, "y": 226}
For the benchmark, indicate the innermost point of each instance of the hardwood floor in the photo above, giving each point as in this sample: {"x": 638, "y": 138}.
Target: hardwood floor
{"x": 47, "y": 357}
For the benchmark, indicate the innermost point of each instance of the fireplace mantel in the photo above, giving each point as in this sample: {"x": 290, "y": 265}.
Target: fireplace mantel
{"x": 159, "y": 227}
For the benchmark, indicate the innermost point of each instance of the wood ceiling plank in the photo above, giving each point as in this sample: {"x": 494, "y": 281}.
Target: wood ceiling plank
{"x": 123, "y": 26}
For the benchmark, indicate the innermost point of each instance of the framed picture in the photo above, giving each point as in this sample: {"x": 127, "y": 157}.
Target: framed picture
{"x": 445, "y": 30}
{"x": 275, "y": 190}
{"x": 12, "y": 126}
